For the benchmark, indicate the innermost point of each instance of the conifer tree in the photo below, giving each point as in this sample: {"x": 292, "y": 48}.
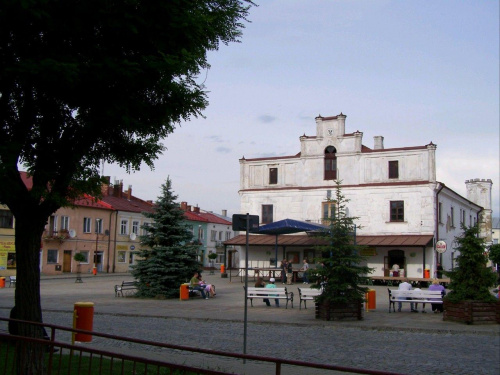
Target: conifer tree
{"x": 340, "y": 271}
{"x": 471, "y": 280}
{"x": 168, "y": 258}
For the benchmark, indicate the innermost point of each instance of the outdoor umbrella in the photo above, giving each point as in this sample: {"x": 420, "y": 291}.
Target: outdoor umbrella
{"x": 288, "y": 226}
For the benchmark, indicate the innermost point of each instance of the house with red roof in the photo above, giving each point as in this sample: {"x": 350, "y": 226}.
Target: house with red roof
{"x": 210, "y": 231}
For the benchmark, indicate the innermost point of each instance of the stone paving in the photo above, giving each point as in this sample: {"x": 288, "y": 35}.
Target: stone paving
{"x": 405, "y": 342}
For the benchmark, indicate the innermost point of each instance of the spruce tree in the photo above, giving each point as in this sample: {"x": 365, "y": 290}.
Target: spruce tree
{"x": 471, "y": 280}
{"x": 340, "y": 271}
{"x": 167, "y": 256}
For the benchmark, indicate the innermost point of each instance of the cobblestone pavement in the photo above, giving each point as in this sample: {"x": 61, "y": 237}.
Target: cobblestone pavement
{"x": 402, "y": 342}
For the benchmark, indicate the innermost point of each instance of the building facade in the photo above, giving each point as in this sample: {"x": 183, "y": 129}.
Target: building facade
{"x": 401, "y": 209}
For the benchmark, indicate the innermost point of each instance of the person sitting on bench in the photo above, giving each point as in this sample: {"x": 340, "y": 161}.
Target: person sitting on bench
{"x": 195, "y": 284}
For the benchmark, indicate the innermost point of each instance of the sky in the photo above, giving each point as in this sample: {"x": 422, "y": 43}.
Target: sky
{"x": 414, "y": 72}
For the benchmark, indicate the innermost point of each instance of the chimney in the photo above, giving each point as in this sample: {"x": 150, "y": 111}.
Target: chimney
{"x": 105, "y": 186}
{"x": 378, "y": 142}
{"x": 196, "y": 209}
{"x": 184, "y": 206}
{"x": 129, "y": 192}
{"x": 188, "y": 208}
{"x": 116, "y": 189}
{"x": 224, "y": 213}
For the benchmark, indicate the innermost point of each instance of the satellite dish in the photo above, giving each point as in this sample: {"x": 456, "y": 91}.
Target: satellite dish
{"x": 72, "y": 233}
{"x": 132, "y": 236}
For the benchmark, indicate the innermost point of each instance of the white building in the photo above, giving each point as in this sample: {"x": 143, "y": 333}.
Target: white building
{"x": 402, "y": 209}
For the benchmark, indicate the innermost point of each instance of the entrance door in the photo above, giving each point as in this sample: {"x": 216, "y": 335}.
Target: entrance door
{"x": 394, "y": 257}
{"x": 98, "y": 261}
{"x": 67, "y": 261}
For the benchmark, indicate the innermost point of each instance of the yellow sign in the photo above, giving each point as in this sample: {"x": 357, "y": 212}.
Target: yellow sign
{"x": 7, "y": 261}
{"x": 369, "y": 252}
{"x": 121, "y": 247}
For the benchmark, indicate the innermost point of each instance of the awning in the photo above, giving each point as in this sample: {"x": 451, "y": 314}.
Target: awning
{"x": 417, "y": 240}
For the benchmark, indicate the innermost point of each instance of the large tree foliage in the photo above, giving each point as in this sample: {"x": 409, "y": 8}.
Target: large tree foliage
{"x": 340, "y": 269}
{"x": 168, "y": 258}
{"x": 471, "y": 279}
{"x": 89, "y": 81}
{"x": 494, "y": 253}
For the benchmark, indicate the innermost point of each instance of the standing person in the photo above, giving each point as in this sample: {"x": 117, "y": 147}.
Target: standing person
{"x": 395, "y": 270}
{"x": 195, "y": 284}
{"x": 405, "y": 285}
{"x": 439, "y": 271}
{"x": 305, "y": 268}
{"x": 289, "y": 272}
{"x": 272, "y": 285}
{"x": 284, "y": 267}
{"x": 261, "y": 284}
{"x": 437, "y": 307}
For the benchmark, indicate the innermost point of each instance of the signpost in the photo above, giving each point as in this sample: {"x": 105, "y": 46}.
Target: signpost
{"x": 245, "y": 222}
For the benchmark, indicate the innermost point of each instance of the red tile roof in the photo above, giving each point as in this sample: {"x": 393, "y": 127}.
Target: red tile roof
{"x": 205, "y": 217}
{"x": 133, "y": 205}
{"x": 88, "y": 201}
{"x": 305, "y": 240}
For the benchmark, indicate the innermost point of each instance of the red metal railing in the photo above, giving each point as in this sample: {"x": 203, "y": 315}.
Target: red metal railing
{"x": 65, "y": 358}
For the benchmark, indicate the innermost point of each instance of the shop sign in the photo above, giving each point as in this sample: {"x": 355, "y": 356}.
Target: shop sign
{"x": 441, "y": 247}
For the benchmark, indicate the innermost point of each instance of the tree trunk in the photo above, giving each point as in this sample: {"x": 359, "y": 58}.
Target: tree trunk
{"x": 27, "y": 294}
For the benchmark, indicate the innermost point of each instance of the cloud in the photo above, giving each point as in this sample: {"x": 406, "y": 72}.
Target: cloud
{"x": 215, "y": 138}
{"x": 266, "y": 119}
{"x": 223, "y": 150}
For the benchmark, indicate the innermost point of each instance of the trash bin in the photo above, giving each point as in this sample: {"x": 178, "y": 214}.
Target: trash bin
{"x": 371, "y": 299}
{"x": 427, "y": 273}
{"x": 83, "y": 318}
{"x": 2, "y": 282}
{"x": 184, "y": 291}
{"x": 222, "y": 269}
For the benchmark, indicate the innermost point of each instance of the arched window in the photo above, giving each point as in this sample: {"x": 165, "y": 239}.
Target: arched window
{"x": 330, "y": 163}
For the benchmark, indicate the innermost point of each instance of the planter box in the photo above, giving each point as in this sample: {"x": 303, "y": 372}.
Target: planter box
{"x": 345, "y": 311}
{"x": 472, "y": 312}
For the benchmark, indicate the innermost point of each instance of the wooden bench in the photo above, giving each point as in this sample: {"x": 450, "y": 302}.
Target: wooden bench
{"x": 414, "y": 296}
{"x": 269, "y": 293}
{"x": 12, "y": 280}
{"x": 308, "y": 294}
{"x": 126, "y": 285}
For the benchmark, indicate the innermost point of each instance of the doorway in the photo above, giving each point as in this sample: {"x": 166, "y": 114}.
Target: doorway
{"x": 394, "y": 257}
{"x": 67, "y": 261}
{"x": 98, "y": 261}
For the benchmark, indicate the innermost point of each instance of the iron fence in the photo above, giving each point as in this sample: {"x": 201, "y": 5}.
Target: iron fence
{"x": 61, "y": 357}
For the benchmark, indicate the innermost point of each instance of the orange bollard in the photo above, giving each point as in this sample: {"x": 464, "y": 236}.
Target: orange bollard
{"x": 83, "y": 318}
{"x": 371, "y": 300}
{"x": 2, "y": 282}
{"x": 222, "y": 268}
{"x": 94, "y": 271}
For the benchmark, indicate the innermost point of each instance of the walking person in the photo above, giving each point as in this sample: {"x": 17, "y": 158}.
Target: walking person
{"x": 305, "y": 269}
{"x": 289, "y": 272}
{"x": 284, "y": 267}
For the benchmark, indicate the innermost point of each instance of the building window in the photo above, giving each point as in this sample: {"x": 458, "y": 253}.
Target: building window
{"x": 213, "y": 235}
{"x": 64, "y": 222}
{"x": 6, "y": 219}
{"x": 98, "y": 226}
{"x": 397, "y": 211}
{"x": 440, "y": 212}
{"x": 52, "y": 256}
{"x": 200, "y": 233}
{"x": 330, "y": 163}
{"x": 452, "y": 217}
{"x": 394, "y": 169}
{"x": 267, "y": 213}
{"x": 470, "y": 220}
{"x": 124, "y": 227}
{"x": 145, "y": 229}
{"x": 121, "y": 256}
{"x": 220, "y": 235}
{"x": 273, "y": 176}
{"x": 463, "y": 217}
{"x": 327, "y": 212}
{"x": 228, "y": 236}
{"x": 87, "y": 223}
{"x": 86, "y": 256}
{"x": 135, "y": 227}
